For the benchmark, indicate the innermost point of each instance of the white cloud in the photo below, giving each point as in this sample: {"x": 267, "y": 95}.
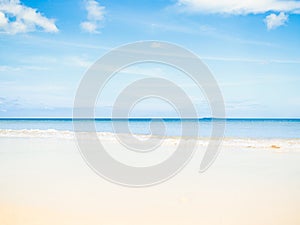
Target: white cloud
{"x": 244, "y": 7}
{"x": 89, "y": 27}
{"x": 273, "y": 21}
{"x": 18, "y": 18}
{"x": 3, "y": 20}
{"x": 95, "y": 15}
{"x": 240, "y": 7}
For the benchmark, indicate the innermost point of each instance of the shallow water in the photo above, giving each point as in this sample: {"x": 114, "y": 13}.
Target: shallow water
{"x": 244, "y": 128}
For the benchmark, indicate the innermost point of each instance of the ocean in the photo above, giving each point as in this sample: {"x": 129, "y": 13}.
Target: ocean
{"x": 240, "y": 128}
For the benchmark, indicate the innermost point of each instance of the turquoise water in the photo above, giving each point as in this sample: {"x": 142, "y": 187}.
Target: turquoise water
{"x": 252, "y": 128}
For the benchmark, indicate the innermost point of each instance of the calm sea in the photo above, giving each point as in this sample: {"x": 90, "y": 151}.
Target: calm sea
{"x": 252, "y": 128}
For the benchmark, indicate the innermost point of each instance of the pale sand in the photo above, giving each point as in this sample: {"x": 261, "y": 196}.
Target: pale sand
{"x": 45, "y": 181}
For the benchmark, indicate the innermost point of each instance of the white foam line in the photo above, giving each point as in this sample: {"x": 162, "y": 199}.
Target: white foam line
{"x": 249, "y": 143}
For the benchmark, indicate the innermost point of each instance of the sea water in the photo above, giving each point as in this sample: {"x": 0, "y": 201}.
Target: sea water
{"x": 240, "y": 128}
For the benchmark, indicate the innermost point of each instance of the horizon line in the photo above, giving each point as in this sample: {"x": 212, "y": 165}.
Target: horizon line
{"x": 143, "y": 118}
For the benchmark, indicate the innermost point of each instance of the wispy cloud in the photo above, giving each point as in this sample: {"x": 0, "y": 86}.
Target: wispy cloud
{"x": 44, "y": 62}
{"x": 273, "y": 21}
{"x": 8, "y": 103}
{"x": 246, "y": 104}
{"x": 34, "y": 40}
{"x": 5, "y": 68}
{"x": 95, "y": 16}
{"x": 18, "y": 18}
{"x": 251, "y": 60}
{"x": 204, "y": 30}
{"x": 237, "y": 7}
{"x": 78, "y": 61}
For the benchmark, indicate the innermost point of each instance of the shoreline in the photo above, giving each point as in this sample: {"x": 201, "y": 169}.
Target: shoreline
{"x": 275, "y": 144}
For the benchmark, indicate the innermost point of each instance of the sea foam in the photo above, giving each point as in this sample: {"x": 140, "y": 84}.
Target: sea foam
{"x": 276, "y": 144}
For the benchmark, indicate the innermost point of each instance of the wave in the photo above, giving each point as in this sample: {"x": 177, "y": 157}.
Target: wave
{"x": 36, "y": 133}
{"x": 277, "y": 144}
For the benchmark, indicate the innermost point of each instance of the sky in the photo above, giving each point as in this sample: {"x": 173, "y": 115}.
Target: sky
{"x": 251, "y": 47}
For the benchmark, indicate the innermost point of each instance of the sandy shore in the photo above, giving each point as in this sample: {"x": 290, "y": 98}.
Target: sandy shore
{"x": 44, "y": 180}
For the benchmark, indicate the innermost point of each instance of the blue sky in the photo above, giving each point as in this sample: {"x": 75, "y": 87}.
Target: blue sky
{"x": 252, "y": 48}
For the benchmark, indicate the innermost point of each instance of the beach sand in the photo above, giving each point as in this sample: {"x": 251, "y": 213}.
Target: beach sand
{"x": 44, "y": 180}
